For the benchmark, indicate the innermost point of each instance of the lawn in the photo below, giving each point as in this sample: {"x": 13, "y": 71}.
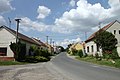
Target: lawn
{"x": 102, "y": 62}
{"x": 3, "y": 63}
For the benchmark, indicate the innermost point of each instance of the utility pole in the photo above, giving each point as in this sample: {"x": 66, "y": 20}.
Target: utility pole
{"x": 18, "y": 21}
{"x": 9, "y": 22}
{"x": 47, "y": 39}
{"x": 85, "y": 35}
{"x": 99, "y": 25}
{"x": 50, "y": 41}
{"x": 53, "y": 46}
{"x": 98, "y": 46}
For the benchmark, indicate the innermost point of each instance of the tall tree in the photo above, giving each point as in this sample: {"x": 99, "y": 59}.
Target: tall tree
{"x": 106, "y": 41}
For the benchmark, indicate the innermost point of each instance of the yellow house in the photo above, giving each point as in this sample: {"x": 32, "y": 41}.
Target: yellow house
{"x": 76, "y": 46}
{"x": 50, "y": 48}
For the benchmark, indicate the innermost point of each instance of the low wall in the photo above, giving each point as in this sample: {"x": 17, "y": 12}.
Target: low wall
{"x": 6, "y": 58}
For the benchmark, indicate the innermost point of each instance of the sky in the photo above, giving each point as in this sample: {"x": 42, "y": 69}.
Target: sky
{"x": 64, "y": 21}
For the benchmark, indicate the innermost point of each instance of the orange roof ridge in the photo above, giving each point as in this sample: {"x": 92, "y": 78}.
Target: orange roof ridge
{"x": 21, "y": 36}
{"x": 104, "y": 28}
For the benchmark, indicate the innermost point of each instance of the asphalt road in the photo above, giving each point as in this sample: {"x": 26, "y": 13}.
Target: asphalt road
{"x": 79, "y": 70}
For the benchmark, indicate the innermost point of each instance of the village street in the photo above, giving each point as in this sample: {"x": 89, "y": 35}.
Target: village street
{"x": 59, "y": 68}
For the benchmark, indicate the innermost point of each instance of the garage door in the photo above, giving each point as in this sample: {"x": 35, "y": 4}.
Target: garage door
{"x": 3, "y": 51}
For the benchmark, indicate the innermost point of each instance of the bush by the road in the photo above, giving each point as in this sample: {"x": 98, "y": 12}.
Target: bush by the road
{"x": 76, "y": 52}
{"x": 41, "y": 59}
{"x": 38, "y": 55}
{"x": 80, "y": 53}
{"x": 19, "y": 50}
{"x": 34, "y": 59}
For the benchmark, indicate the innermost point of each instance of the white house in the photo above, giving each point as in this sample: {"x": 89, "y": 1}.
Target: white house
{"x": 7, "y": 36}
{"x": 114, "y": 28}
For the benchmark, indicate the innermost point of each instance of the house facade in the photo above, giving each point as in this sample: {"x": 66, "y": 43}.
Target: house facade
{"x": 76, "y": 46}
{"x": 50, "y": 48}
{"x": 114, "y": 28}
{"x": 5, "y": 39}
{"x": 41, "y": 44}
{"x": 7, "y": 36}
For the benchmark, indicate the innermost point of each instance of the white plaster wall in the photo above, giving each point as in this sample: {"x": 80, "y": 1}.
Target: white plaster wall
{"x": 90, "y": 49}
{"x": 27, "y": 46}
{"x": 5, "y": 39}
{"x": 116, "y": 26}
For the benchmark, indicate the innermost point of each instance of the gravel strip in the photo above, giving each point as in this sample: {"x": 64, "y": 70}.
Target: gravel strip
{"x": 31, "y": 72}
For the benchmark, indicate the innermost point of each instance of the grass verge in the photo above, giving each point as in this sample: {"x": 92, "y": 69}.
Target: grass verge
{"x": 7, "y": 63}
{"x": 102, "y": 62}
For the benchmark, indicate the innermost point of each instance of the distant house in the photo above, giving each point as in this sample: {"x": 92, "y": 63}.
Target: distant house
{"x": 77, "y": 46}
{"x": 41, "y": 44}
{"x": 7, "y": 36}
{"x": 113, "y": 27}
{"x": 50, "y": 48}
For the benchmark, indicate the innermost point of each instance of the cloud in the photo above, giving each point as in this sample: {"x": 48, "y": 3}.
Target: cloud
{"x": 5, "y": 6}
{"x": 43, "y": 12}
{"x": 2, "y": 21}
{"x": 115, "y": 7}
{"x": 65, "y": 42}
{"x": 85, "y": 17}
{"x": 27, "y": 24}
{"x": 72, "y": 3}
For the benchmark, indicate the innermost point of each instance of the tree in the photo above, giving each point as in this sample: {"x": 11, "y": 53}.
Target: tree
{"x": 68, "y": 46}
{"x": 61, "y": 48}
{"x": 106, "y": 41}
{"x": 19, "y": 50}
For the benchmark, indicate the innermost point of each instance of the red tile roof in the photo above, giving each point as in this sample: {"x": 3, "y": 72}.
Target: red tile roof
{"x": 39, "y": 42}
{"x": 103, "y": 29}
{"x": 20, "y": 36}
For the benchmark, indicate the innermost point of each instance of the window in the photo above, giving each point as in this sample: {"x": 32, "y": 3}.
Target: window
{"x": 92, "y": 48}
{"x": 97, "y": 48}
{"x": 119, "y": 31}
{"x": 3, "y": 51}
{"x": 114, "y": 31}
{"x": 88, "y": 49}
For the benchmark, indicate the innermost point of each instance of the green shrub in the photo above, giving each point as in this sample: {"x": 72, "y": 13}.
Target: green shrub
{"x": 85, "y": 55}
{"x": 34, "y": 59}
{"x": 80, "y": 53}
{"x": 41, "y": 59}
{"x": 74, "y": 51}
{"x": 30, "y": 59}
{"x": 40, "y": 52}
{"x": 19, "y": 50}
{"x": 68, "y": 52}
{"x": 113, "y": 55}
{"x": 98, "y": 57}
{"x": 106, "y": 56}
